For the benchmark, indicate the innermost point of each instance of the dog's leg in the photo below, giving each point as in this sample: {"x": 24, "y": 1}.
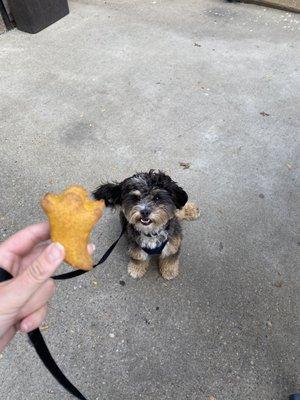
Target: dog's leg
{"x": 189, "y": 212}
{"x": 169, "y": 259}
{"x": 169, "y": 266}
{"x": 139, "y": 262}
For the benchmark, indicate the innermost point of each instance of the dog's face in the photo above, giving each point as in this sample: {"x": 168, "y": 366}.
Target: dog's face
{"x": 148, "y": 200}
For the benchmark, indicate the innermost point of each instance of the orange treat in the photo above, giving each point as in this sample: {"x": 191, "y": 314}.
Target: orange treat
{"x": 72, "y": 216}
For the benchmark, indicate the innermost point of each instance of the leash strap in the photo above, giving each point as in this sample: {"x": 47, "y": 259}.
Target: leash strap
{"x": 36, "y": 338}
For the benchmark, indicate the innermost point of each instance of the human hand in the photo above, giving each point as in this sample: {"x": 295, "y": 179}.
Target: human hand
{"x": 31, "y": 261}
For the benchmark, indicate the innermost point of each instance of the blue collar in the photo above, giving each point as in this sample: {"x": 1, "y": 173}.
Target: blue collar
{"x": 156, "y": 250}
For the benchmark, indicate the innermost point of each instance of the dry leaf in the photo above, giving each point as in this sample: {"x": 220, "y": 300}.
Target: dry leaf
{"x": 264, "y": 114}
{"x": 290, "y": 166}
{"x": 185, "y": 165}
{"x": 94, "y": 281}
{"x": 44, "y": 326}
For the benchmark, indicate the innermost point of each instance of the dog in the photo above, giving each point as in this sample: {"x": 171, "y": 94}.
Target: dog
{"x": 152, "y": 208}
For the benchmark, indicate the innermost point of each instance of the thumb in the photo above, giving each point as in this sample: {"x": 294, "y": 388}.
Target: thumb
{"x": 32, "y": 278}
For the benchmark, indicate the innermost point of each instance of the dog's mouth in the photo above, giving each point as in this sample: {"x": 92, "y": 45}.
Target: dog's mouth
{"x": 146, "y": 221}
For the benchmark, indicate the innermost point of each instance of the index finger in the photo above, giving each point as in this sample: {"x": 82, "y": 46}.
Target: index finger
{"x": 23, "y": 241}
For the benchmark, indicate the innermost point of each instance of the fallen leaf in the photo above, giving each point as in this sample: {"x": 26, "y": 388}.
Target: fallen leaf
{"x": 44, "y": 326}
{"x": 94, "y": 281}
{"x": 212, "y": 398}
{"x": 185, "y": 165}
{"x": 290, "y": 166}
{"x": 278, "y": 284}
{"x": 264, "y": 114}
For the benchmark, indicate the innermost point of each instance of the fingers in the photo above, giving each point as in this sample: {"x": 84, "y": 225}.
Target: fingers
{"x": 6, "y": 338}
{"x": 35, "y": 253}
{"x": 41, "y": 247}
{"x": 20, "y": 289}
{"x": 39, "y": 299}
{"x": 23, "y": 241}
{"x": 91, "y": 248}
{"x": 33, "y": 320}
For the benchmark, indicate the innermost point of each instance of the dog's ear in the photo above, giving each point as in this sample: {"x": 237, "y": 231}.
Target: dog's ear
{"x": 110, "y": 193}
{"x": 179, "y": 196}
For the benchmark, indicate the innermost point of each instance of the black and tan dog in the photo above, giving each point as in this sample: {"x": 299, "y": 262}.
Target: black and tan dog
{"x": 152, "y": 205}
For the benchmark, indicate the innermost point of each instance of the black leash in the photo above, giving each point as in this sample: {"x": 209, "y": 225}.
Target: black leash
{"x": 36, "y": 338}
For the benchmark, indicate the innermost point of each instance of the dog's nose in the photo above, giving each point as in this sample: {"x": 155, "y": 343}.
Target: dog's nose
{"x": 145, "y": 212}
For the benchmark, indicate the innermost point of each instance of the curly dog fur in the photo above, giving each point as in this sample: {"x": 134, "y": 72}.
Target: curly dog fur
{"x": 152, "y": 205}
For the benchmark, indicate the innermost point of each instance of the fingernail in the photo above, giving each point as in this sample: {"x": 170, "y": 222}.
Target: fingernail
{"x": 91, "y": 247}
{"x": 55, "y": 252}
{"x": 24, "y": 327}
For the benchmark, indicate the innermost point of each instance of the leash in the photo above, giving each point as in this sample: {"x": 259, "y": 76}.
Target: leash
{"x": 36, "y": 338}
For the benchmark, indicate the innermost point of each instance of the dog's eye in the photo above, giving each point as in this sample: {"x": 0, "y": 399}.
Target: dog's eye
{"x": 156, "y": 197}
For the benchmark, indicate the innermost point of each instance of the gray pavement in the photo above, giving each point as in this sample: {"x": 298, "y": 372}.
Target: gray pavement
{"x": 124, "y": 86}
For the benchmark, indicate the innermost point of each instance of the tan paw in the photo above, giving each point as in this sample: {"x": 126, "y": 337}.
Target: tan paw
{"x": 170, "y": 273}
{"x": 136, "y": 271}
{"x": 189, "y": 212}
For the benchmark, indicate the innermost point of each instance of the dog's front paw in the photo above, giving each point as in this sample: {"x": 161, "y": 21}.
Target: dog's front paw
{"x": 189, "y": 212}
{"x": 137, "y": 269}
{"x": 170, "y": 273}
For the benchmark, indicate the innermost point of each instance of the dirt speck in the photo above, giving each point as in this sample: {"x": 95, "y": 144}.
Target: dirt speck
{"x": 221, "y": 246}
{"x": 122, "y": 283}
{"x": 261, "y": 196}
{"x": 264, "y": 114}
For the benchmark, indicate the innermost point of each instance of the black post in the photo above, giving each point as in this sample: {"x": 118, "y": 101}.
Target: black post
{"x": 34, "y": 15}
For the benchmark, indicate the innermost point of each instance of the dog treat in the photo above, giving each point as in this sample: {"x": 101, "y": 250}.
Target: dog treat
{"x": 72, "y": 216}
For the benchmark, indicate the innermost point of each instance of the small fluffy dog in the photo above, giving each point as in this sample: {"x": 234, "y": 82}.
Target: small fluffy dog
{"x": 152, "y": 206}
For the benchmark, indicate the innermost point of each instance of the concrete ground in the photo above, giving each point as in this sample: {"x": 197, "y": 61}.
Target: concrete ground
{"x": 122, "y": 86}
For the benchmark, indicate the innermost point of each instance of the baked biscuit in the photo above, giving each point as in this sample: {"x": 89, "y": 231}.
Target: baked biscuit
{"x": 72, "y": 216}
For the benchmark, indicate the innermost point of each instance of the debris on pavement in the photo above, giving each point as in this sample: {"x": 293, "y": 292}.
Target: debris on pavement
{"x": 185, "y": 165}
